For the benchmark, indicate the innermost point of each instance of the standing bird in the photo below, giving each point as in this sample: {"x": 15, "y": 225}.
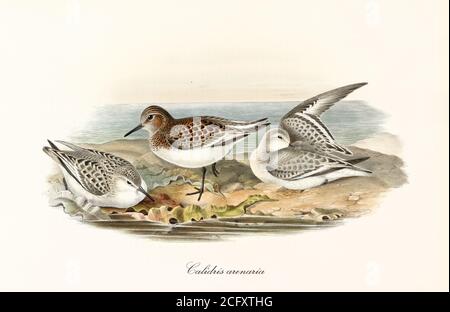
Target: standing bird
{"x": 103, "y": 179}
{"x": 306, "y": 129}
{"x": 193, "y": 142}
{"x": 276, "y": 161}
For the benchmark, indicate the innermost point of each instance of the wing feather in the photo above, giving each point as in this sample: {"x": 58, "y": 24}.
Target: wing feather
{"x": 293, "y": 164}
{"x": 90, "y": 174}
{"x": 204, "y": 132}
{"x": 309, "y": 130}
{"x": 322, "y": 102}
{"x": 109, "y": 160}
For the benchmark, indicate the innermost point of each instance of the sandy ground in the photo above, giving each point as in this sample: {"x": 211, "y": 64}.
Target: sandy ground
{"x": 236, "y": 182}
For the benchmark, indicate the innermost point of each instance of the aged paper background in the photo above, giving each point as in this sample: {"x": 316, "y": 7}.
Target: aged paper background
{"x": 60, "y": 59}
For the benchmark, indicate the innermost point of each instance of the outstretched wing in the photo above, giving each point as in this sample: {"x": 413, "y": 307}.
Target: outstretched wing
{"x": 293, "y": 164}
{"x": 309, "y": 131}
{"x": 322, "y": 102}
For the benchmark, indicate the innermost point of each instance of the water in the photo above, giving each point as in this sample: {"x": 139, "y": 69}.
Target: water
{"x": 349, "y": 121}
{"x": 215, "y": 229}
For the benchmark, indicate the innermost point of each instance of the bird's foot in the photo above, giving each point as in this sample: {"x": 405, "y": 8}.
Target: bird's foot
{"x": 199, "y": 192}
{"x": 214, "y": 170}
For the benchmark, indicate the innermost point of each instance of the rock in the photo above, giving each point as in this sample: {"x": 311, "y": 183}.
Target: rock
{"x": 323, "y": 214}
{"x": 353, "y": 197}
{"x": 231, "y": 187}
{"x": 236, "y": 182}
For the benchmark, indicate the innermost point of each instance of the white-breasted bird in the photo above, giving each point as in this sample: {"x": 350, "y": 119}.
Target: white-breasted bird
{"x": 193, "y": 142}
{"x": 277, "y": 161}
{"x": 103, "y": 179}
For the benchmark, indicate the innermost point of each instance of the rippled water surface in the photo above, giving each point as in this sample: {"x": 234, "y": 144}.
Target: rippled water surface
{"x": 349, "y": 121}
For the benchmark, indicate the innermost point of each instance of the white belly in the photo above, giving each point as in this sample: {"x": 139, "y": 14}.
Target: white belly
{"x": 260, "y": 171}
{"x": 193, "y": 158}
{"x": 119, "y": 200}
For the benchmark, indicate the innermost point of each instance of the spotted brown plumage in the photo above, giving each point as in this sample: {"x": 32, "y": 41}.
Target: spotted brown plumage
{"x": 197, "y": 132}
{"x": 193, "y": 142}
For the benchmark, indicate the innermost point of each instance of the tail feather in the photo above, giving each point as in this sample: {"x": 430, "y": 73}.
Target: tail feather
{"x": 345, "y": 150}
{"x": 249, "y": 126}
{"x": 357, "y": 160}
{"x": 71, "y": 146}
{"x": 339, "y": 148}
{"x": 51, "y": 151}
{"x": 233, "y": 139}
{"x": 361, "y": 169}
{"x": 52, "y": 145}
{"x": 56, "y": 154}
{"x": 240, "y": 122}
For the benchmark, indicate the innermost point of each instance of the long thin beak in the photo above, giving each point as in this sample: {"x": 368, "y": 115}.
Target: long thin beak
{"x": 139, "y": 127}
{"x": 140, "y": 189}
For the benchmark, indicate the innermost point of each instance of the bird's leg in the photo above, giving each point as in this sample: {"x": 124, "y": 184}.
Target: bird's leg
{"x": 202, "y": 187}
{"x": 214, "y": 170}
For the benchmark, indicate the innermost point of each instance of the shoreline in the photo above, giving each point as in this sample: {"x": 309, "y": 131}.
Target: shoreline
{"x": 236, "y": 184}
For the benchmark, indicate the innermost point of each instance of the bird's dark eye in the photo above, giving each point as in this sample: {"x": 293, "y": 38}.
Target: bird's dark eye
{"x": 150, "y": 117}
{"x": 280, "y": 137}
{"x": 128, "y": 182}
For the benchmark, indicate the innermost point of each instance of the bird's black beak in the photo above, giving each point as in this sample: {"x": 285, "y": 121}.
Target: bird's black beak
{"x": 139, "y": 127}
{"x": 140, "y": 189}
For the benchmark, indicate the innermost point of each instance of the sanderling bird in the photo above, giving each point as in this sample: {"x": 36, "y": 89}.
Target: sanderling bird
{"x": 277, "y": 161}
{"x": 306, "y": 129}
{"x": 193, "y": 142}
{"x": 103, "y": 179}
